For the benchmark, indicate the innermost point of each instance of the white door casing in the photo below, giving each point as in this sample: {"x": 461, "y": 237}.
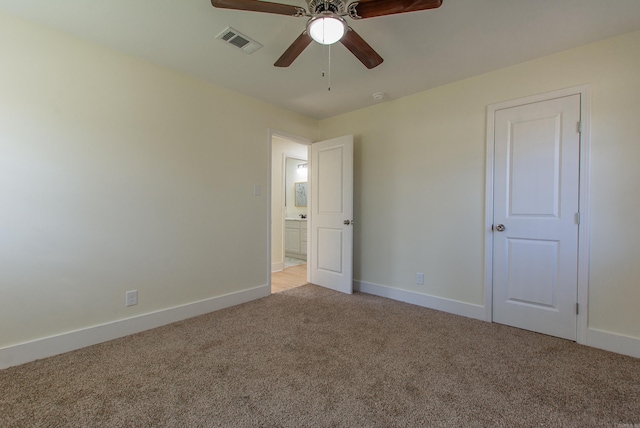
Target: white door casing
{"x": 277, "y": 233}
{"x": 536, "y": 199}
{"x": 331, "y": 214}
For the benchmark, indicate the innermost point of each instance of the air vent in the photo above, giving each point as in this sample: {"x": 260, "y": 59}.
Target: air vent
{"x": 239, "y": 40}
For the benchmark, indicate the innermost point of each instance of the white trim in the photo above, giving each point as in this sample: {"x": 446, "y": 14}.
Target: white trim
{"x": 283, "y": 189}
{"x": 287, "y": 136}
{"x": 585, "y": 213}
{"x": 270, "y": 134}
{"x": 583, "y": 232}
{"x": 488, "y": 215}
{"x": 70, "y": 341}
{"x": 296, "y": 139}
{"x": 310, "y": 251}
{"x": 613, "y": 342}
{"x": 456, "y": 307}
{"x": 277, "y": 267}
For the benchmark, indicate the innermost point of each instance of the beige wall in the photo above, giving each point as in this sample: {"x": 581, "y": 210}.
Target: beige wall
{"x": 281, "y": 149}
{"x": 420, "y": 179}
{"x": 116, "y": 174}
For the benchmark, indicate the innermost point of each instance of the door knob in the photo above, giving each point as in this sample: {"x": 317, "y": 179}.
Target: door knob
{"x": 347, "y": 222}
{"x": 500, "y": 228}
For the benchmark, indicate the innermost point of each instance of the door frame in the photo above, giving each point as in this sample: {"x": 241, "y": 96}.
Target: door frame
{"x": 296, "y": 139}
{"x": 283, "y": 189}
{"x": 583, "y": 229}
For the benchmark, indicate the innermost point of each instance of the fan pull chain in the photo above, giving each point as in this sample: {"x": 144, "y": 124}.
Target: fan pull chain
{"x": 329, "y": 87}
{"x": 326, "y": 74}
{"x": 324, "y": 49}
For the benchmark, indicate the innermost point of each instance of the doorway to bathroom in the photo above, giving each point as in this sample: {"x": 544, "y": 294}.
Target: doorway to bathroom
{"x": 289, "y": 193}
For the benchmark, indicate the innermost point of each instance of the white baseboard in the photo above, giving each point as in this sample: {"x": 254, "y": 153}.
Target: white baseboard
{"x": 277, "y": 267}
{"x": 456, "y": 307}
{"x": 614, "y": 342}
{"x": 65, "y": 342}
{"x": 59, "y": 344}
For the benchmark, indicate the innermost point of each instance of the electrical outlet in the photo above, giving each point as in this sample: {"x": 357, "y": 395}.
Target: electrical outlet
{"x": 132, "y": 298}
{"x": 419, "y": 278}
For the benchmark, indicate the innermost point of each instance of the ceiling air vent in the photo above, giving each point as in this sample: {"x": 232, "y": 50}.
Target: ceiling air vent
{"x": 239, "y": 40}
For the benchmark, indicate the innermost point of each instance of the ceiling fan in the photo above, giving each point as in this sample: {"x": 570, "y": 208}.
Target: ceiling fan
{"x": 326, "y": 24}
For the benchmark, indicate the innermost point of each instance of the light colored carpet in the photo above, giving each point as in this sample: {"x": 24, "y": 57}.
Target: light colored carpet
{"x": 310, "y": 357}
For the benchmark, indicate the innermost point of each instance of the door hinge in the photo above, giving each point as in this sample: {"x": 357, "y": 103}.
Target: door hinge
{"x": 579, "y": 127}
{"x": 577, "y": 308}
{"x": 578, "y": 218}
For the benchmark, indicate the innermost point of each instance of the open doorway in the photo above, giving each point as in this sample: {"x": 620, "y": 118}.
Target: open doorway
{"x": 289, "y": 178}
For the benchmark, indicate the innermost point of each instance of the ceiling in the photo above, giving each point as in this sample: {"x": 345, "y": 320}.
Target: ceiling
{"x": 421, "y": 50}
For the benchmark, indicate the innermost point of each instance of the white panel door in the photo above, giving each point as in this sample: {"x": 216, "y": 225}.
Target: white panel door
{"x": 536, "y": 188}
{"x": 331, "y": 219}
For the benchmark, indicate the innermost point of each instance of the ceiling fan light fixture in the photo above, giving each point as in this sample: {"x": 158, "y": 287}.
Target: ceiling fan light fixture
{"x": 327, "y": 28}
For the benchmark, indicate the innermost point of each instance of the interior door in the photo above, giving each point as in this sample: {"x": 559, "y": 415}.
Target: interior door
{"x": 331, "y": 219}
{"x": 536, "y": 189}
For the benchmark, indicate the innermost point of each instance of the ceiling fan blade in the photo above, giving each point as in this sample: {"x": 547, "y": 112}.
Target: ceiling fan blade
{"x": 361, "y": 49}
{"x": 371, "y": 8}
{"x": 294, "y": 50}
{"x": 259, "y": 6}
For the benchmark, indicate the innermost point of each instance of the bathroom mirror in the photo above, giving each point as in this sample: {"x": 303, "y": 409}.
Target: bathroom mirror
{"x": 301, "y": 194}
{"x": 295, "y": 192}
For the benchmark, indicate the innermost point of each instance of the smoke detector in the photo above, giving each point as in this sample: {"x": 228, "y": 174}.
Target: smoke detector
{"x": 379, "y": 96}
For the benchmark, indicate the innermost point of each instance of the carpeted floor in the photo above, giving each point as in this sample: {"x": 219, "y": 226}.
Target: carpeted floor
{"x": 310, "y": 357}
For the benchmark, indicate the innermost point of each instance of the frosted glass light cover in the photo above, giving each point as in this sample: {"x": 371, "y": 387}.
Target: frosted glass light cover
{"x": 326, "y": 29}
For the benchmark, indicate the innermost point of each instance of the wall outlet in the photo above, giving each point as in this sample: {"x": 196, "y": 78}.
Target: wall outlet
{"x": 419, "y": 278}
{"x": 132, "y": 298}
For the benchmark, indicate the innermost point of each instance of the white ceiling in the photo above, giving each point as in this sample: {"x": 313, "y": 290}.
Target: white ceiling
{"x": 421, "y": 50}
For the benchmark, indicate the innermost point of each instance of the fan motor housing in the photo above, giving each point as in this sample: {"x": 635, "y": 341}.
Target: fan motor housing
{"x": 335, "y": 6}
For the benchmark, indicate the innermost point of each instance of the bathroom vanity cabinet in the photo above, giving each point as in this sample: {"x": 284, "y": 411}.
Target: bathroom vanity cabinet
{"x": 295, "y": 238}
